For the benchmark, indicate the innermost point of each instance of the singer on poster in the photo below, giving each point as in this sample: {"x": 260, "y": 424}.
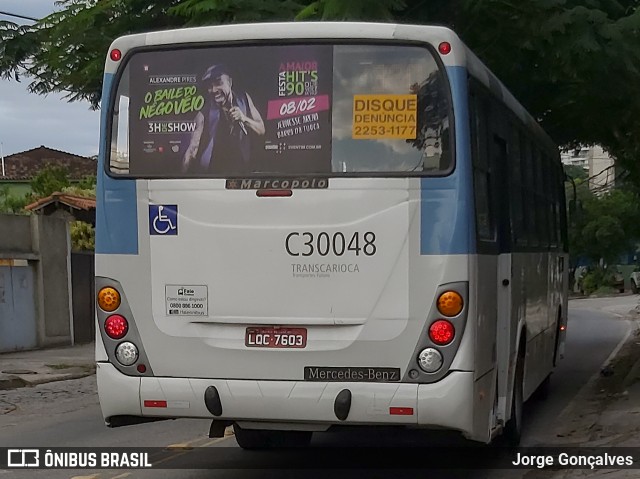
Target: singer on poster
{"x": 224, "y": 128}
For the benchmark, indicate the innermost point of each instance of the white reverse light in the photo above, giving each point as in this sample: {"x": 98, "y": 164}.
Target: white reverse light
{"x": 430, "y": 360}
{"x": 127, "y": 353}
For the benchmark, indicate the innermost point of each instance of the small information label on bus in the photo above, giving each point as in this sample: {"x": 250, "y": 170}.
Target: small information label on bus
{"x": 384, "y": 116}
{"x": 186, "y": 300}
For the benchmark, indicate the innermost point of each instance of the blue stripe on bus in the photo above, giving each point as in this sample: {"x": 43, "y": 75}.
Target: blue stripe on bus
{"x": 116, "y": 209}
{"x": 447, "y": 219}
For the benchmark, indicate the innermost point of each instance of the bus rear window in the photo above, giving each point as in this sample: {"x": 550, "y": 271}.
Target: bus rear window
{"x": 238, "y": 111}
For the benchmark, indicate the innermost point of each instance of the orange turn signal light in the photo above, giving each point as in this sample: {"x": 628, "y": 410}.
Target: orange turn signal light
{"x": 450, "y": 303}
{"x": 109, "y": 299}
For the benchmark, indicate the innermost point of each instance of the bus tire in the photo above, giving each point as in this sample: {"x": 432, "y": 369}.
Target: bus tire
{"x": 543, "y": 390}
{"x": 513, "y": 428}
{"x": 270, "y": 439}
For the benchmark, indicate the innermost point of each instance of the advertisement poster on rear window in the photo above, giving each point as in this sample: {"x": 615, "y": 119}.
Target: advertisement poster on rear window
{"x": 231, "y": 111}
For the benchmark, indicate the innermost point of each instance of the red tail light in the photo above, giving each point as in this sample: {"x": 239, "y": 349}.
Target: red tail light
{"x": 273, "y": 193}
{"x": 444, "y": 48}
{"x": 116, "y": 326}
{"x": 115, "y": 55}
{"x": 442, "y": 332}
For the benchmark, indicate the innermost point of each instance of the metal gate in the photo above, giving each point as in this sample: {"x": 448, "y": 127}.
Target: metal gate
{"x": 17, "y": 306}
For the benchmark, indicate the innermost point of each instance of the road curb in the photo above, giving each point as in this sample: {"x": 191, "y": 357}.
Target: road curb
{"x": 585, "y": 409}
{"x": 67, "y": 377}
{"x": 10, "y": 381}
{"x": 633, "y": 375}
{"x": 15, "y": 382}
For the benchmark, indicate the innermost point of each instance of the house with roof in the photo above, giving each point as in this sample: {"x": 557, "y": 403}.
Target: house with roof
{"x": 67, "y": 206}
{"x": 19, "y": 169}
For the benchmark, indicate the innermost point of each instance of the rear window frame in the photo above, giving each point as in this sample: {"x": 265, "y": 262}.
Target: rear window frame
{"x": 113, "y": 92}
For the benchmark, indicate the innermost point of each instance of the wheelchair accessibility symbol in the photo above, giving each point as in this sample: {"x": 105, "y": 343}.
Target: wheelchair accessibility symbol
{"x": 163, "y": 220}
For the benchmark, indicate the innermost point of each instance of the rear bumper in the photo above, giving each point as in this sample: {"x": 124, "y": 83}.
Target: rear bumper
{"x": 446, "y": 404}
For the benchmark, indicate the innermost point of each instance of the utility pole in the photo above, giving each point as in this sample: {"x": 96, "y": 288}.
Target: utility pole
{"x": 2, "y": 157}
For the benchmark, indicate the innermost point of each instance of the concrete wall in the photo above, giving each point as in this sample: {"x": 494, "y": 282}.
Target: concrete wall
{"x": 45, "y": 243}
{"x": 15, "y": 234}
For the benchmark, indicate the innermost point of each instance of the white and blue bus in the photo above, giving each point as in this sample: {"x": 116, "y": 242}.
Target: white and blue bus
{"x": 309, "y": 225}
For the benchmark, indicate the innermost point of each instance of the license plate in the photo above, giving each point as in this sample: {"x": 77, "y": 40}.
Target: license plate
{"x": 270, "y": 337}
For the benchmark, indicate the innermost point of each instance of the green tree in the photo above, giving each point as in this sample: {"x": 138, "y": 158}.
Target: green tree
{"x": 83, "y": 236}
{"x": 576, "y": 172}
{"x": 563, "y": 59}
{"x": 85, "y": 187}
{"x": 11, "y": 203}
{"x": 607, "y": 226}
{"x": 88, "y": 183}
{"x": 353, "y": 10}
{"x": 65, "y": 51}
{"x": 49, "y": 180}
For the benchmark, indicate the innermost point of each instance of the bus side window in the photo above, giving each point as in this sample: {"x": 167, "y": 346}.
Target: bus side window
{"x": 529, "y": 192}
{"x": 551, "y": 195}
{"x": 482, "y": 179}
{"x": 119, "y": 159}
{"x": 517, "y": 214}
{"x": 540, "y": 199}
{"x": 500, "y": 169}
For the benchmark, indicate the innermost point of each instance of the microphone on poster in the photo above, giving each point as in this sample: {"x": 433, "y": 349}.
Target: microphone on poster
{"x": 239, "y": 122}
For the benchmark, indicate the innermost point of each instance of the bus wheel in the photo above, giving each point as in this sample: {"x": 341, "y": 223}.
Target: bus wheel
{"x": 270, "y": 439}
{"x": 543, "y": 390}
{"x": 513, "y": 429}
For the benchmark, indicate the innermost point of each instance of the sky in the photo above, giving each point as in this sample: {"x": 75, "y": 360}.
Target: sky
{"x": 28, "y": 120}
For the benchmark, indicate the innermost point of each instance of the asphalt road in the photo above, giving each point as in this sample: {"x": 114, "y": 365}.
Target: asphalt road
{"x": 67, "y": 414}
